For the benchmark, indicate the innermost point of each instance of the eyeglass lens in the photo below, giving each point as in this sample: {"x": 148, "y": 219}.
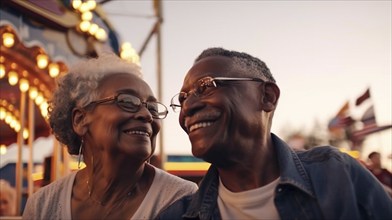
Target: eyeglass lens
{"x": 132, "y": 104}
{"x": 198, "y": 88}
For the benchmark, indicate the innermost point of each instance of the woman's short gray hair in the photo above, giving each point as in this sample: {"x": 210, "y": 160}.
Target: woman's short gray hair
{"x": 78, "y": 88}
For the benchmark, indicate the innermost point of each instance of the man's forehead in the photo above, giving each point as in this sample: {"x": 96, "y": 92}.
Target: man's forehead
{"x": 209, "y": 66}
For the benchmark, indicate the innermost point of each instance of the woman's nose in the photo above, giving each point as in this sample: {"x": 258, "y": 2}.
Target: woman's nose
{"x": 144, "y": 113}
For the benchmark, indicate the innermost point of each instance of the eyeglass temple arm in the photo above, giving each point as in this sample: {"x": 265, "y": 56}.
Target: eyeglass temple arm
{"x": 237, "y": 79}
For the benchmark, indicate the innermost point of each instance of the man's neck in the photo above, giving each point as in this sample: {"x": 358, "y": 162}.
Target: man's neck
{"x": 258, "y": 170}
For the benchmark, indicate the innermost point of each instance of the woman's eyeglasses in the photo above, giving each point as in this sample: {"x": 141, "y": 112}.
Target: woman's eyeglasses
{"x": 131, "y": 103}
{"x": 200, "y": 87}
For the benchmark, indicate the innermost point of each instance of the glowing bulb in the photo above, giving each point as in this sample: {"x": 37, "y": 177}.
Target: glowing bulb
{"x": 101, "y": 34}
{"x": 33, "y": 93}
{"x": 84, "y": 26}
{"x": 8, "y": 118}
{"x": 13, "y": 123}
{"x": 126, "y": 46}
{"x": 44, "y": 109}
{"x": 3, "y": 149}
{"x": 2, "y": 113}
{"x": 91, "y": 4}
{"x": 24, "y": 85}
{"x": 42, "y": 61}
{"x": 54, "y": 70}
{"x": 2, "y": 71}
{"x": 13, "y": 78}
{"x": 125, "y": 54}
{"x": 17, "y": 127}
{"x": 76, "y": 4}
{"x": 8, "y": 39}
{"x": 25, "y": 133}
{"x": 44, "y": 113}
{"x": 39, "y": 99}
{"x": 93, "y": 28}
{"x": 44, "y": 105}
{"x": 87, "y": 16}
{"x": 83, "y": 7}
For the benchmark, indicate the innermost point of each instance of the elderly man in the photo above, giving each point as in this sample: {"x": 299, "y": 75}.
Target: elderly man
{"x": 226, "y": 106}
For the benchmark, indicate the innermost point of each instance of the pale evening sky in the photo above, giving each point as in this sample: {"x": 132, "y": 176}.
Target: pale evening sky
{"x": 321, "y": 53}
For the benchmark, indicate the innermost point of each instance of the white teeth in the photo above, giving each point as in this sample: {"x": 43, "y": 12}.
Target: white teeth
{"x": 139, "y": 133}
{"x": 199, "y": 125}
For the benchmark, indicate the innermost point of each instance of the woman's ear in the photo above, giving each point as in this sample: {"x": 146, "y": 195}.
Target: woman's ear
{"x": 271, "y": 96}
{"x": 79, "y": 121}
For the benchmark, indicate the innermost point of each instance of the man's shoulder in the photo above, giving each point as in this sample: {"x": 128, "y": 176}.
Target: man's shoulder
{"x": 322, "y": 154}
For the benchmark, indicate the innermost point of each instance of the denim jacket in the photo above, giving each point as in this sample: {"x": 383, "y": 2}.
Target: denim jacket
{"x": 321, "y": 183}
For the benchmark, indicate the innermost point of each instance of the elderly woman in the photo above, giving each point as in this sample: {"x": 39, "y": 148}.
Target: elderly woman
{"x": 103, "y": 110}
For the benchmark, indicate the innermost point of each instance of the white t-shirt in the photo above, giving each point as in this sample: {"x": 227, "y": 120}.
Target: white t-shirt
{"x": 252, "y": 204}
{"x": 54, "y": 200}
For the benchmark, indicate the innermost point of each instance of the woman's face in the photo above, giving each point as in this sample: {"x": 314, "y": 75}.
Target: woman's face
{"x": 115, "y": 132}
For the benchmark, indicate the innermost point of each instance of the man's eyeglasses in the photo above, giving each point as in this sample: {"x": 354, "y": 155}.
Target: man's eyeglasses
{"x": 130, "y": 103}
{"x": 200, "y": 87}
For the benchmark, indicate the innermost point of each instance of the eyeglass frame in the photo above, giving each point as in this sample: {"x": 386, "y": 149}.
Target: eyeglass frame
{"x": 213, "y": 79}
{"x": 115, "y": 99}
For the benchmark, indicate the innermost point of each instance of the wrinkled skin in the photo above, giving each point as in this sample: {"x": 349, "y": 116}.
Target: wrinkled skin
{"x": 234, "y": 122}
{"x": 116, "y": 146}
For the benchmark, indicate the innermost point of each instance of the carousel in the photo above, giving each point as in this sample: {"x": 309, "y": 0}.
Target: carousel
{"x": 39, "y": 41}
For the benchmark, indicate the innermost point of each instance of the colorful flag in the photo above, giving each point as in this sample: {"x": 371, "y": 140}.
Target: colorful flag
{"x": 363, "y": 97}
{"x": 369, "y": 125}
{"x": 340, "y": 124}
{"x": 343, "y": 110}
{"x": 369, "y": 117}
{"x": 361, "y": 134}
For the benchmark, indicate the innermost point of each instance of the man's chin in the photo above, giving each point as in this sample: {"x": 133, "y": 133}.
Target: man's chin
{"x": 199, "y": 151}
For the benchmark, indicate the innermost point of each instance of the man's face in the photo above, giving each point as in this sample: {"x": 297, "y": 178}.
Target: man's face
{"x": 222, "y": 119}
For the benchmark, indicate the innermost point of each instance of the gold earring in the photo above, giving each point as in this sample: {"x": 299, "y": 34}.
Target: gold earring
{"x": 80, "y": 154}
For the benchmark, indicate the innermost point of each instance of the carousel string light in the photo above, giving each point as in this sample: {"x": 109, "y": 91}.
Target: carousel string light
{"x": 17, "y": 75}
{"x": 42, "y": 61}
{"x": 54, "y": 70}
{"x": 3, "y": 149}
{"x": 8, "y": 39}
{"x": 33, "y": 92}
{"x": 24, "y": 85}
{"x": 86, "y": 25}
{"x": 76, "y": 4}
{"x": 93, "y": 28}
{"x": 2, "y": 70}
{"x": 13, "y": 77}
{"x": 101, "y": 34}
{"x": 129, "y": 54}
{"x": 10, "y": 116}
{"x": 87, "y": 16}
